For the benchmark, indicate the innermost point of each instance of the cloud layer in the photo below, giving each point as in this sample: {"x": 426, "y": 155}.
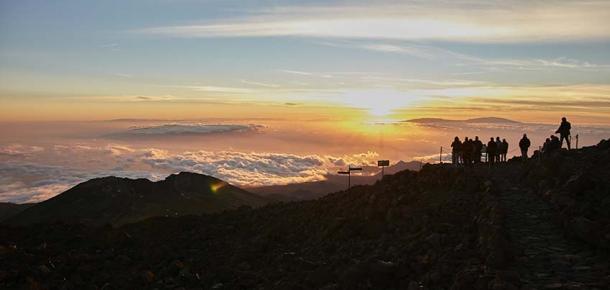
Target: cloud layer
{"x": 255, "y": 169}
{"x": 509, "y": 21}
{"x": 35, "y": 179}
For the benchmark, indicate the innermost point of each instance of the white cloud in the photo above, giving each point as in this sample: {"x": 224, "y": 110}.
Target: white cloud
{"x": 59, "y": 167}
{"x": 218, "y": 89}
{"x": 19, "y": 149}
{"x": 513, "y": 21}
{"x": 255, "y": 169}
{"x": 260, "y": 84}
{"x": 436, "y": 53}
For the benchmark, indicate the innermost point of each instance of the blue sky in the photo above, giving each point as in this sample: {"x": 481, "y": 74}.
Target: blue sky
{"x": 302, "y": 50}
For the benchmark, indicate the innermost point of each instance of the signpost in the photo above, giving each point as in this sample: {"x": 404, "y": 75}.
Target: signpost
{"x": 383, "y": 164}
{"x": 349, "y": 174}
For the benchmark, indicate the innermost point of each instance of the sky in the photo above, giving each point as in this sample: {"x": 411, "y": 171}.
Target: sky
{"x": 206, "y": 81}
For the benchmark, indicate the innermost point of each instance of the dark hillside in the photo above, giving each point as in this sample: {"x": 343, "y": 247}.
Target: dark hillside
{"x": 114, "y": 200}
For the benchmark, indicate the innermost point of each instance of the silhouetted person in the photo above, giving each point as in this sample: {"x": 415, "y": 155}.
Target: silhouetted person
{"x": 555, "y": 143}
{"x": 524, "y": 144}
{"x": 478, "y": 147}
{"x": 564, "y": 132}
{"x": 504, "y": 150}
{"x": 467, "y": 151}
{"x": 456, "y": 149}
{"x": 491, "y": 150}
{"x": 498, "y": 148}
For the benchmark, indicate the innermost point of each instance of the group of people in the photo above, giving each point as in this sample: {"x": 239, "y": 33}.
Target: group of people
{"x": 470, "y": 151}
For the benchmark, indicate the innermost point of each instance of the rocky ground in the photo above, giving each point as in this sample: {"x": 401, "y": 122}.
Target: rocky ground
{"x": 536, "y": 225}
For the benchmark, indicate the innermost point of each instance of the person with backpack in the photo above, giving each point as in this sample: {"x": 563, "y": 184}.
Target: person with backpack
{"x": 478, "y": 148}
{"x": 504, "y": 150}
{"x": 564, "y": 132}
{"x": 456, "y": 149}
{"x": 524, "y": 145}
{"x": 491, "y": 151}
{"x": 467, "y": 151}
{"x": 498, "y": 149}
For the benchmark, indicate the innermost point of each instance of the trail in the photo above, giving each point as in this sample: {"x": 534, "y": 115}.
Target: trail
{"x": 545, "y": 257}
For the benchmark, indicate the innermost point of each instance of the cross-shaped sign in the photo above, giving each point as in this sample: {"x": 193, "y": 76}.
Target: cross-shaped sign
{"x": 349, "y": 174}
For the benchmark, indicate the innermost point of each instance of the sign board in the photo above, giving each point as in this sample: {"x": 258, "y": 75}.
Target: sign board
{"x": 343, "y": 172}
{"x": 383, "y": 163}
{"x": 355, "y": 168}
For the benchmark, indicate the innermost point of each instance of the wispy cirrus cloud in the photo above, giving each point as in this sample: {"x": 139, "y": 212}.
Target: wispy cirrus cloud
{"x": 435, "y": 53}
{"x": 512, "y": 21}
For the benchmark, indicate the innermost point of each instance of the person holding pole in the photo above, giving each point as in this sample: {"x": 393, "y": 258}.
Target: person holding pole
{"x": 564, "y": 132}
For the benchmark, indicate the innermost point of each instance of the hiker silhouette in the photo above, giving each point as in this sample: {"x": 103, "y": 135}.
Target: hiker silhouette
{"x": 456, "y": 149}
{"x": 467, "y": 150}
{"x": 498, "y": 149}
{"x": 478, "y": 147}
{"x": 504, "y": 150}
{"x": 524, "y": 145}
{"x": 564, "y": 132}
{"x": 491, "y": 150}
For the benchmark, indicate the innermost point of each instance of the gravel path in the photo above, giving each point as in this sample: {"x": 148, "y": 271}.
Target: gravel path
{"x": 545, "y": 258}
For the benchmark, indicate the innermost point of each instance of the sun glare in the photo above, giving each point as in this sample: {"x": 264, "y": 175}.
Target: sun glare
{"x": 380, "y": 104}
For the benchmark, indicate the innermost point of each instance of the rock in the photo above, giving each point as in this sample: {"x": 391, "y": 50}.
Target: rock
{"x": 123, "y": 259}
{"x": 185, "y": 273}
{"x": 434, "y": 240}
{"x": 579, "y": 183}
{"x": 584, "y": 229}
{"x": 148, "y": 276}
{"x": 44, "y": 269}
{"x": 413, "y": 286}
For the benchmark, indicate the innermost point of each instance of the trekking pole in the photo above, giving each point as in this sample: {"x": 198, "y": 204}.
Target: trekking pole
{"x": 440, "y": 156}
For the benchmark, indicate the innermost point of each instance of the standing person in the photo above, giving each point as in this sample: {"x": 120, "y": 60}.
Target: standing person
{"x": 555, "y": 143}
{"x": 498, "y": 149}
{"x": 504, "y": 149}
{"x": 491, "y": 151}
{"x": 456, "y": 148}
{"x": 524, "y": 144}
{"x": 478, "y": 147}
{"x": 564, "y": 132}
{"x": 467, "y": 151}
{"x": 546, "y": 147}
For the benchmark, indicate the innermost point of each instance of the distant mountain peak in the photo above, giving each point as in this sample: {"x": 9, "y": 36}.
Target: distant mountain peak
{"x": 119, "y": 200}
{"x": 489, "y": 120}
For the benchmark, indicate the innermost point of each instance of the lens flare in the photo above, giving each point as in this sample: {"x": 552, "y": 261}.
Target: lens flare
{"x": 215, "y": 187}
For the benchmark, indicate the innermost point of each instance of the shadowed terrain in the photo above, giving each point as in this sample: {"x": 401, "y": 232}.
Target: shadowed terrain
{"x": 113, "y": 200}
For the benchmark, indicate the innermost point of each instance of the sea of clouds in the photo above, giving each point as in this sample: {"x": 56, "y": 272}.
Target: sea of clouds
{"x": 33, "y": 175}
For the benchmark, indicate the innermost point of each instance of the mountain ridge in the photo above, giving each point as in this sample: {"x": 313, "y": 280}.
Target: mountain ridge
{"x": 494, "y": 120}
{"x": 119, "y": 200}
